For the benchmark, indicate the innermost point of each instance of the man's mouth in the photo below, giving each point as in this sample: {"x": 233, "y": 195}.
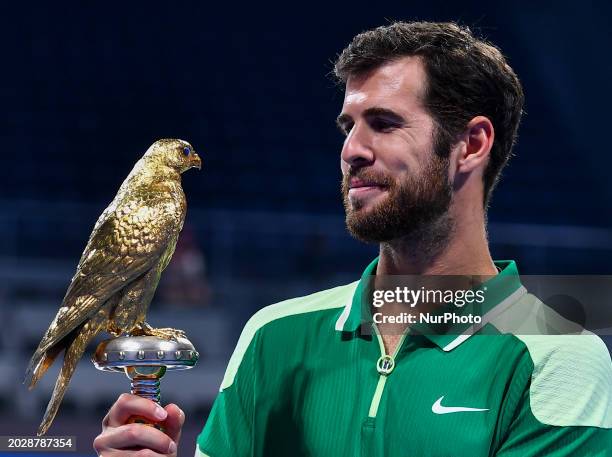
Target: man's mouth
{"x": 361, "y": 187}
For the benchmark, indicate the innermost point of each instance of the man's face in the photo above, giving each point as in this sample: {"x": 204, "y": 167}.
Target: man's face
{"x": 394, "y": 184}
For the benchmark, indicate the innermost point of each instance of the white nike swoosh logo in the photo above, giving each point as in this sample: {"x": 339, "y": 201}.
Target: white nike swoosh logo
{"x": 437, "y": 408}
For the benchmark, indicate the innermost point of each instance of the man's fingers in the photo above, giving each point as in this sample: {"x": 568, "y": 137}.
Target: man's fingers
{"x": 131, "y": 452}
{"x": 135, "y": 436}
{"x": 131, "y": 405}
{"x": 174, "y": 422}
{"x": 139, "y": 439}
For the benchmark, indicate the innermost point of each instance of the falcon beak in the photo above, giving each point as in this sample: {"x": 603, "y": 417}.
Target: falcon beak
{"x": 196, "y": 162}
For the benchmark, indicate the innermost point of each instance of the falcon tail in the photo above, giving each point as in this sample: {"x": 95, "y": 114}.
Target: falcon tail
{"x": 72, "y": 355}
{"x": 40, "y": 363}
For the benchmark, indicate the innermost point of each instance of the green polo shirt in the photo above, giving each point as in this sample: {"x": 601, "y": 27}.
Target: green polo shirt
{"x": 306, "y": 380}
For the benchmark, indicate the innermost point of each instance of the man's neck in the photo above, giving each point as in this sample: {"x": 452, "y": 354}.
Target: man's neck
{"x": 462, "y": 251}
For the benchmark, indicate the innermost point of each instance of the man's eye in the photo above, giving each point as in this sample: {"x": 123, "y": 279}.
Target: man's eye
{"x": 382, "y": 125}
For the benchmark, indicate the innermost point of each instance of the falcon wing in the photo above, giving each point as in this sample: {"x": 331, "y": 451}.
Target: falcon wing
{"x": 122, "y": 247}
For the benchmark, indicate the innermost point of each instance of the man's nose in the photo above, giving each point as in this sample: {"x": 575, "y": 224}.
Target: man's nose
{"x": 357, "y": 149}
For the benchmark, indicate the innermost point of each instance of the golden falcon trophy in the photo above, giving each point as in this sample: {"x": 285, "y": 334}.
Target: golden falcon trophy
{"x": 129, "y": 247}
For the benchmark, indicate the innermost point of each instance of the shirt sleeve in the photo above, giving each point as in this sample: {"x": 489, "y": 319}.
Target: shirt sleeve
{"x": 229, "y": 429}
{"x": 528, "y": 437}
{"x": 564, "y": 405}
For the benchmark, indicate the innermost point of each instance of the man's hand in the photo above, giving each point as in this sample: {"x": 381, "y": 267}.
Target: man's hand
{"x": 118, "y": 438}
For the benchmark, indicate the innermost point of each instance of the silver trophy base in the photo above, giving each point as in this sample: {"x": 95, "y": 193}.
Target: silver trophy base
{"x": 145, "y": 360}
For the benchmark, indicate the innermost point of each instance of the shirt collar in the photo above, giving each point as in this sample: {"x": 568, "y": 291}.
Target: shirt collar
{"x": 501, "y": 290}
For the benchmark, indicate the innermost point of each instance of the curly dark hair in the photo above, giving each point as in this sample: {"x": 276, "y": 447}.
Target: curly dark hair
{"x": 466, "y": 77}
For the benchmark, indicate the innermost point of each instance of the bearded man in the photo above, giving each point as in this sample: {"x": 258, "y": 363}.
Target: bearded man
{"x": 430, "y": 115}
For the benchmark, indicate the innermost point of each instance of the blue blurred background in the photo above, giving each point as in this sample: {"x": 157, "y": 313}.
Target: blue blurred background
{"x": 85, "y": 91}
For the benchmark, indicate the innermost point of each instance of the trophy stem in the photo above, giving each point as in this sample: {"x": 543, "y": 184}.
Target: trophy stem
{"x": 146, "y": 388}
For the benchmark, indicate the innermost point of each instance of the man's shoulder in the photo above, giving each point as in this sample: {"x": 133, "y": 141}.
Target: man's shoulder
{"x": 324, "y": 300}
{"x": 571, "y": 381}
{"x": 282, "y": 319}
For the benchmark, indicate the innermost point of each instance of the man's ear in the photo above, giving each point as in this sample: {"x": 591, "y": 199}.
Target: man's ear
{"x": 477, "y": 143}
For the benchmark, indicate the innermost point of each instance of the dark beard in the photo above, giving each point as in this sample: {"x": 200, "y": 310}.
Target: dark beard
{"x": 415, "y": 210}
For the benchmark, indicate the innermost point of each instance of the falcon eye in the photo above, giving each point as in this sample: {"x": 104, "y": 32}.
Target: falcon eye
{"x": 186, "y": 150}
